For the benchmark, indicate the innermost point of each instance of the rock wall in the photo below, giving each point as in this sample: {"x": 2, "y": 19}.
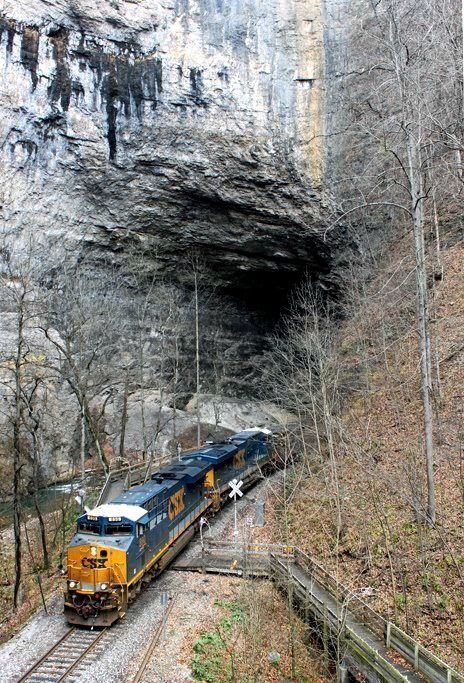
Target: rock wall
{"x": 192, "y": 124}
{"x": 182, "y": 126}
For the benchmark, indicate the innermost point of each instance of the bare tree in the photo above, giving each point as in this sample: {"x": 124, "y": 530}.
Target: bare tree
{"x": 34, "y": 398}
{"x": 157, "y": 312}
{"x": 304, "y": 376}
{"x": 18, "y": 291}
{"x": 194, "y": 262}
{"x": 402, "y": 104}
{"x": 84, "y": 323}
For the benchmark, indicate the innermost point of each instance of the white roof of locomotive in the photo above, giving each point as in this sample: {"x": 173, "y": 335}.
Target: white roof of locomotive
{"x": 132, "y": 512}
{"x": 257, "y": 429}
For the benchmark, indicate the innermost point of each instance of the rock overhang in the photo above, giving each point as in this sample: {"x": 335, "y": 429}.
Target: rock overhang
{"x": 172, "y": 126}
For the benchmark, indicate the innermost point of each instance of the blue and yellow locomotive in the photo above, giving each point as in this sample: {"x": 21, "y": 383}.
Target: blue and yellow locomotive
{"x": 128, "y": 541}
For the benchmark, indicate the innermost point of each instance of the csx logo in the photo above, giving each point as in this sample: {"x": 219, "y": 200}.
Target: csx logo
{"x": 176, "y": 504}
{"x": 239, "y": 460}
{"x": 94, "y": 563}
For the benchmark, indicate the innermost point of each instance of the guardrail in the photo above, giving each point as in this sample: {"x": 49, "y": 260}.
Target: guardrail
{"x": 367, "y": 653}
{"x": 250, "y": 559}
{"x": 278, "y": 549}
{"x": 350, "y": 645}
{"x": 423, "y": 661}
{"x": 342, "y": 594}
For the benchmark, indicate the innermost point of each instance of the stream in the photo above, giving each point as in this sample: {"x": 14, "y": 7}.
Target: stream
{"x": 51, "y": 498}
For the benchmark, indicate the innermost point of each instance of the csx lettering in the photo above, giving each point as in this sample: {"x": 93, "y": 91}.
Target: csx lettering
{"x": 176, "y": 504}
{"x": 239, "y": 460}
{"x": 94, "y": 563}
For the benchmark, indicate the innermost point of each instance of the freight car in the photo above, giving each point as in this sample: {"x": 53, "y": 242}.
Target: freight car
{"x": 125, "y": 543}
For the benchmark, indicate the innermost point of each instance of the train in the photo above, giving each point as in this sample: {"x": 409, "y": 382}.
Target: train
{"x": 121, "y": 545}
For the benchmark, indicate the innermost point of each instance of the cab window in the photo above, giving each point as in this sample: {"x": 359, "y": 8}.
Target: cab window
{"x": 118, "y": 529}
{"x": 89, "y": 527}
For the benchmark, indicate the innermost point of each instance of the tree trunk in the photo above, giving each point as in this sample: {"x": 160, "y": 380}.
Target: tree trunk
{"x": 417, "y": 195}
{"x": 123, "y": 422}
{"x": 82, "y": 445}
{"x": 43, "y": 533}
{"x": 17, "y": 531}
{"x": 17, "y": 462}
{"x": 174, "y": 398}
{"x": 35, "y": 465}
{"x": 93, "y": 429}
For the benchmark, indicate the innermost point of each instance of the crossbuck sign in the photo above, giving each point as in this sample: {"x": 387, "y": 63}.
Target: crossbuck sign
{"x": 235, "y": 491}
{"x": 235, "y": 486}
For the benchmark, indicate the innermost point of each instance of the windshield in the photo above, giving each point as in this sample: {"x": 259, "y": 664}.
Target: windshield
{"x": 118, "y": 529}
{"x": 89, "y": 527}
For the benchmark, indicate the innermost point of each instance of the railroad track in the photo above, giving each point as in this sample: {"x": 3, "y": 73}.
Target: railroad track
{"x": 153, "y": 643}
{"x": 64, "y": 657}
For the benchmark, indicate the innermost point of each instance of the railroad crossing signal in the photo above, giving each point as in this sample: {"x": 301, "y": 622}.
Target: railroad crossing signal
{"x": 235, "y": 491}
{"x": 235, "y": 486}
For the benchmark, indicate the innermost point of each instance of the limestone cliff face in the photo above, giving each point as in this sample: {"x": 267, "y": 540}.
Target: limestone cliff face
{"x": 183, "y": 125}
{"x": 196, "y": 124}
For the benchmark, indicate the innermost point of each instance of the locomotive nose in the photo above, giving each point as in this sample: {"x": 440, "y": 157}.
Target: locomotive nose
{"x": 94, "y": 588}
{"x": 90, "y": 568}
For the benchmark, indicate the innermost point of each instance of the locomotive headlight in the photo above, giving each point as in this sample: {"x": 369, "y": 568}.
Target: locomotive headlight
{"x": 103, "y": 586}
{"x": 73, "y": 584}
{"x": 93, "y": 551}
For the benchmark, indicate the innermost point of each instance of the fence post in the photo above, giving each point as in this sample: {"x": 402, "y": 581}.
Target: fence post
{"x": 245, "y": 562}
{"x": 272, "y": 570}
{"x": 416, "y": 656}
{"x": 388, "y": 636}
{"x": 343, "y": 672}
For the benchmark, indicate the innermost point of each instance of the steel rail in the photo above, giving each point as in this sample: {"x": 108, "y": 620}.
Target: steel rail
{"x": 35, "y": 666}
{"x": 154, "y": 642}
{"x": 82, "y": 656}
{"x": 58, "y": 677}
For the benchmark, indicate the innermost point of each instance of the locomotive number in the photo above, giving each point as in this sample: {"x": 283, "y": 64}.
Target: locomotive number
{"x": 176, "y": 504}
{"x": 94, "y": 563}
{"x": 239, "y": 460}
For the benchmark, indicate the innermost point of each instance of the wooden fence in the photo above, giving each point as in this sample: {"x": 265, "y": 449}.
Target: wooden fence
{"x": 336, "y": 634}
{"x": 423, "y": 661}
